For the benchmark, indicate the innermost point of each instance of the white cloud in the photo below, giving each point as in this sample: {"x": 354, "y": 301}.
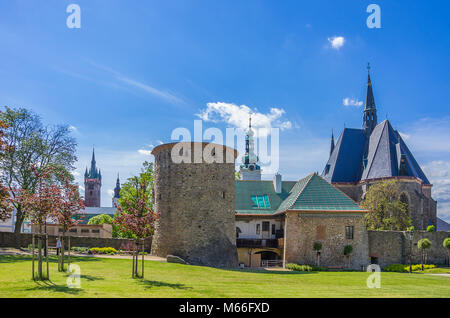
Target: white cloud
{"x": 73, "y": 128}
{"x": 336, "y": 42}
{"x": 352, "y": 102}
{"x": 110, "y": 192}
{"x": 238, "y": 116}
{"x": 145, "y": 152}
{"x": 438, "y": 172}
{"x": 169, "y": 97}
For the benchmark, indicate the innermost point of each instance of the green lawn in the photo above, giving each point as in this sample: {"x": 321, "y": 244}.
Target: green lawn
{"x": 111, "y": 278}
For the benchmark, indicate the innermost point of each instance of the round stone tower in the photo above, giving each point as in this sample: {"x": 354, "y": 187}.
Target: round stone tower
{"x": 194, "y": 192}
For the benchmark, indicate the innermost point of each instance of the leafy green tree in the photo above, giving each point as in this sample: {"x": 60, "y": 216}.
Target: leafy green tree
{"x": 100, "y": 219}
{"x": 431, "y": 228}
{"x": 31, "y": 144}
{"x": 446, "y": 244}
{"x": 423, "y": 245}
{"x": 386, "y": 210}
{"x": 105, "y": 219}
{"x": 131, "y": 193}
{"x": 317, "y": 247}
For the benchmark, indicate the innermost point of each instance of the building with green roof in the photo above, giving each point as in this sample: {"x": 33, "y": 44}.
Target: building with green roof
{"x": 267, "y": 227}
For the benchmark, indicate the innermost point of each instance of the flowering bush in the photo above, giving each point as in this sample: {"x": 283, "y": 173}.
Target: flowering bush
{"x": 400, "y": 268}
{"x": 103, "y": 250}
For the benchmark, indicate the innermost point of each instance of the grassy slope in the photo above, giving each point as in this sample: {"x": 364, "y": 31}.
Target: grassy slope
{"x": 111, "y": 278}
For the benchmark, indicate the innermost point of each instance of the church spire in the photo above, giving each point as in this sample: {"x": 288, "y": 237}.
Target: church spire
{"x": 370, "y": 110}
{"x": 332, "y": 143}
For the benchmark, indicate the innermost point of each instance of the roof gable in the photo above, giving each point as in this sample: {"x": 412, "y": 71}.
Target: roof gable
{"x": 344, "y": 164}
{"x": 314, "y": 193}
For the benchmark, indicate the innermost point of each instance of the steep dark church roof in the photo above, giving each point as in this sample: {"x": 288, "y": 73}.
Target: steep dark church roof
{"x": 376, "y": 151}
{"x": 93, "y": 172}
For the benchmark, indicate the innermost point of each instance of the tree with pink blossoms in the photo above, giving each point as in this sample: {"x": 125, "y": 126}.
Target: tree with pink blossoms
{"x": 43, "y": 203}
{"x": 135, "y": 213}
{"x": 68, "y": 215}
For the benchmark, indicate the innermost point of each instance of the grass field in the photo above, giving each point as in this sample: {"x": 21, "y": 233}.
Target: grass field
{"x": 102, "y": 277}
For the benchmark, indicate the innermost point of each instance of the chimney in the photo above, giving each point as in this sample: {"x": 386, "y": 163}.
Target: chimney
{"x": 277, "y": 183}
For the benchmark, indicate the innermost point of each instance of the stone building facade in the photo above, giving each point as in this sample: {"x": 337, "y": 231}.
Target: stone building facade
{"x": 303, "y": 229}
{"x": 195, "y": 199}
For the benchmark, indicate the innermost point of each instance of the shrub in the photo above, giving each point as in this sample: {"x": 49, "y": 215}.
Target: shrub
{"x": 446, "y": 243}
{"x": 424, "y": 243}
{"x": 317, "y": 246}
{"x": 103, "y": 250}
{"x": 348, "y": 249}
{"x": 299, "y": 268}
{"x": 400, "y": 268}
{"x": 431, "y": 228}
{"x": 80, "y": 249}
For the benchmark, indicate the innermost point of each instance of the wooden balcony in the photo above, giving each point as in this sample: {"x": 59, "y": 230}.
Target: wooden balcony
{"x": 257, "y": 243}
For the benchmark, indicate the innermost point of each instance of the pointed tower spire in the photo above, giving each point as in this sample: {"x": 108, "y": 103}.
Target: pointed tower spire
{"x": 332, "y": 142}
{"x": 370, "y": 110}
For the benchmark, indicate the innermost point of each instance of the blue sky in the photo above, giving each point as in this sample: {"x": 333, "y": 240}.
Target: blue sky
{"x": 138, "y": 69}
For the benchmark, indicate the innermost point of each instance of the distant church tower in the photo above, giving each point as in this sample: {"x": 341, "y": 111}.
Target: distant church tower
{"x": 250, "y": 169}
{"x": 115, "y": 199}
{"x": 370, "y": 110}
{"x": 92, "y": 184}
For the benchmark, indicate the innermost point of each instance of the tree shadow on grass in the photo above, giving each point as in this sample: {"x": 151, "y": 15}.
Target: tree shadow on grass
{"x": 154, "y": 283}
{"x": 5, "y": 258}
{"x": 50, "y": 286}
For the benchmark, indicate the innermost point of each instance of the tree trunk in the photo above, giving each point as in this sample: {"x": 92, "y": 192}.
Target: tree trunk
{"x": 40, "y": 254}
{"x": 32, "y": 251}
{"x": 18, "y": 227}
{"x": 143, "y": 256}
{"x": 62, "y": 249}
{"x": 132, "y": 270}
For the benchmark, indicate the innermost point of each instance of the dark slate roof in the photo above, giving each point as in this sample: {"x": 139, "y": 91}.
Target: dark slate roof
{"x": 357, "y": 157}
{"x": 442, "y": 225}
{"x": 246, "y": 189}
{"x": 312, "y": 193}
{"x": 370, "y": 100}
{"x": 344, "y": 164}
{"x": 384, "y": 153}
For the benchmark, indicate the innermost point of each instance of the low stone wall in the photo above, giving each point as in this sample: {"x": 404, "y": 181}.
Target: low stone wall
{"x": 8, "y": 239}
{"x": 393, "y": 247}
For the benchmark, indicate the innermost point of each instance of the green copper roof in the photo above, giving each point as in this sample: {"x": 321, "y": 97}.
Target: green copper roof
{"x": 312, "y": 193}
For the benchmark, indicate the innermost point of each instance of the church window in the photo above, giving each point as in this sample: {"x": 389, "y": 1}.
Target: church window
{"x": 349, "y": 232}
{"x": 261, "y": 201}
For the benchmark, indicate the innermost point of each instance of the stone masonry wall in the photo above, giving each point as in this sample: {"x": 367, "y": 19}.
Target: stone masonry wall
{"x": 302, "y": 230}
{"x": 393, "y": 247}
{"x": 196, "y": 204}
{"x": 421, "y": 206}
{"x": 8, "y": 239}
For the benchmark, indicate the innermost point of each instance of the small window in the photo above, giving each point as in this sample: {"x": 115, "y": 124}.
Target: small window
{"x": 73, "y": 230}
{"x": 258, "y": 229}
{"x": 349, "y": 232}
{"x": 95, "y": 231}
{"x": 273, "y": 229}
{"x": 84, "y": 231}
{"x": 60, "y": 230}
{"x": 223, "y": 194}
{"x": 261, "y": 201}
{"x": 90, "y": 192}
